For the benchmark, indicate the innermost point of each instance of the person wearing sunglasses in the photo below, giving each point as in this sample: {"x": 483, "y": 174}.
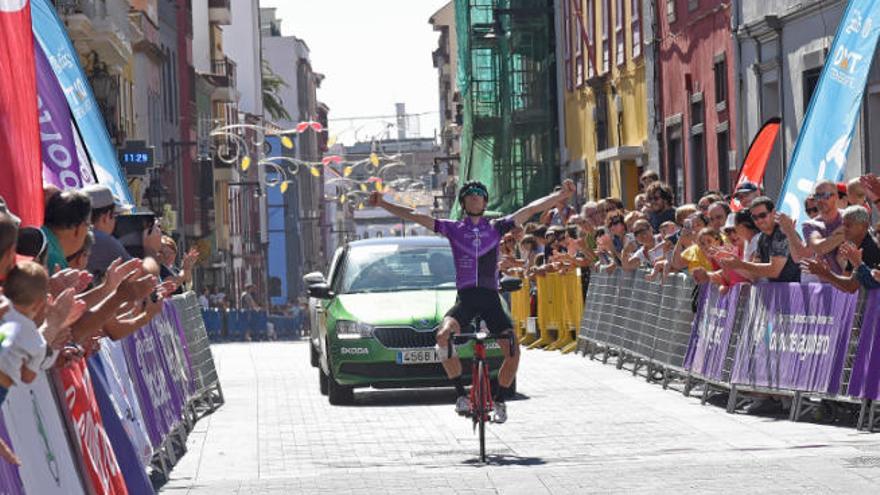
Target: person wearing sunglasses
{"x": 811, "y": 207}
{"x": 825, "y": 233}
{"x": 660, "y": 201}
{"x": 773, "y": 260}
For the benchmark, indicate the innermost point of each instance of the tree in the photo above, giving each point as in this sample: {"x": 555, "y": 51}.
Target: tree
{"x": 273, "y": 104}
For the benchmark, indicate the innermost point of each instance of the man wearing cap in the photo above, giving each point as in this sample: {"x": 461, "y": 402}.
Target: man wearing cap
{"x": 746, "y": 193}
{"x": 106, "y": 248}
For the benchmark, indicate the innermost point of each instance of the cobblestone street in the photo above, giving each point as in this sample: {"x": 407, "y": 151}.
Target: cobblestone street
{"x": 578, "y": 426}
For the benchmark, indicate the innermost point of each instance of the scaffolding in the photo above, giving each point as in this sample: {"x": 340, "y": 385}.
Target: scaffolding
{"x": 507, "y": 80}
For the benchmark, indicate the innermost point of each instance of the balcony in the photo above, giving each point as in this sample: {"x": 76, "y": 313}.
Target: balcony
{"x": 98, "y": 26}
{"x": 223, "y": 77}
{"x": 220, "y": 12}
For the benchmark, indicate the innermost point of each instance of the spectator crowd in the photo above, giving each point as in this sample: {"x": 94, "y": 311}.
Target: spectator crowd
{"x": 89, "y": 273}
{"x": 720, "y": 240}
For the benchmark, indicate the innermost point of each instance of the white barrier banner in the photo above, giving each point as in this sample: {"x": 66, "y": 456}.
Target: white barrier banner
{"x": 40, "y": 441}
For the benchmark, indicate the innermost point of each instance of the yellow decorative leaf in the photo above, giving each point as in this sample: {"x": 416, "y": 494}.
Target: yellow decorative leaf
{"x": 342, "y": 198}
{"x": 284, "y": 186}
{"x": 245, "y": 163}
{"x": 315, "y": 171}
{"x": 360, "y": 206}
{"x": 331, "y": 141}
{"x": 374, "y": 159}
{"x": 364, "y": 187}
{"x": 379, "y": 186}
{"x": 346, "y": 171}
{"x": 287, "y": 142}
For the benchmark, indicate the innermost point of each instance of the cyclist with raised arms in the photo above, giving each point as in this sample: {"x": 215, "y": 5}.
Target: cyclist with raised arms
{"x": 474, "y": 241}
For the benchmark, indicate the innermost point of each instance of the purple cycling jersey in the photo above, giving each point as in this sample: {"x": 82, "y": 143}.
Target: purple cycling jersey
{"x": 475, "y": 249}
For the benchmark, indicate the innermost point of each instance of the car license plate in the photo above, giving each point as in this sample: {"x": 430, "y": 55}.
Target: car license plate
{"x": 417, "y": 356}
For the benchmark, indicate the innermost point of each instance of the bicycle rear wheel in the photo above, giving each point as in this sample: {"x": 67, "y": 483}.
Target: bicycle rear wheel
{"x": 482, "y": 402}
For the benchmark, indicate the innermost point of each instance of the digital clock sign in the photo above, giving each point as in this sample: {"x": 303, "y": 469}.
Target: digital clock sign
{"x": 136, "y": 158}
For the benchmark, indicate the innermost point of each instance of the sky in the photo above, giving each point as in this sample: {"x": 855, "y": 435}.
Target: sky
{"x": 373, "y": 54}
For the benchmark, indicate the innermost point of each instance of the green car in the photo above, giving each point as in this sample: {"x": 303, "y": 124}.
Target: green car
{"x": 378, "y": 313}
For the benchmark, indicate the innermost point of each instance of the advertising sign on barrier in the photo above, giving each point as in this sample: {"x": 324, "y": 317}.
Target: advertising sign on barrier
{"x": 136, "y": 480}
{"x": 85, "y": 416}
{"x": 794, "y": 337}
{"x": 712, "y": 327}
{"x": 174, "y": 349}
{"x": 153, "y": 384}
{"x": 38, "y": 438}
{"x": 10, "y": 481}
{"x": 865, "y": 379}
{"x": 111, "y": 362}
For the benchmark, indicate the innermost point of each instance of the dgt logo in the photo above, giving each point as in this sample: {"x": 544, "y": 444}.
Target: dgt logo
{"x": 847, "y": 60}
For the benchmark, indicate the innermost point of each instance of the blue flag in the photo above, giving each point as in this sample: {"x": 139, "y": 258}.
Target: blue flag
{"x": 51, "y": 34}
{"x": 826, "y": 134}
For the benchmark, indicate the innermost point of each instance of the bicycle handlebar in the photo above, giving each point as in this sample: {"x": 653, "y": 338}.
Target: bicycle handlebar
{"x": 466, "y": 337}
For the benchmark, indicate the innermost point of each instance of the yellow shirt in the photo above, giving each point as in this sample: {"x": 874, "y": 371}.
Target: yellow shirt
{"x": 696, "y": 259}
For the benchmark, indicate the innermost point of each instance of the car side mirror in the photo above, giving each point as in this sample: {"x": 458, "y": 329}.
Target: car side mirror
{"x": 320, "y": 291}
{"x": 510, "y": 284}
{"x": 314, "y": 278}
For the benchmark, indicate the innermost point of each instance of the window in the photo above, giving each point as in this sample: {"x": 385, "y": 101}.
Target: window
{"x": 723, "y": 158}
{"x": 697, "y": 147}
{"x": 566, "y": 46}
{"x": 670, "y": 11}
{"x": 618, "y": 33}
{"x": 579, "y": 48}
{"x": 636, "y": 24}
{"x": 810, "y": 80}
{"x": 674, "y": 163}
{"x": 591, "y": 38}
{"x": 606, "y": 29}
{"x": 720, "y": 82}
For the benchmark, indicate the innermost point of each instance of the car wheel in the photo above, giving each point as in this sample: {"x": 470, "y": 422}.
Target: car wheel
{"x": 323, "y": 381}
{"x": 313, "y": 355}
{"x": 339, "y": 395}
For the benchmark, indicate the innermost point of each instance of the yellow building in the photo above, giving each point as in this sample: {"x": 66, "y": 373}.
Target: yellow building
{"x": 605, "y": 101}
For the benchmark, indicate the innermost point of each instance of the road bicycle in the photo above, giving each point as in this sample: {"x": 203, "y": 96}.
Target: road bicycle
{"x": 482, "y": 404}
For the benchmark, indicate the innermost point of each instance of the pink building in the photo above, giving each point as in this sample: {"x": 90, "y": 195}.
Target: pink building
{"x": 695, "y": 95}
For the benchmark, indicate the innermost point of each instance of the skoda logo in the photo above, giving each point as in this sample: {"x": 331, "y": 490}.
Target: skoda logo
{"x": 423, "y": 323}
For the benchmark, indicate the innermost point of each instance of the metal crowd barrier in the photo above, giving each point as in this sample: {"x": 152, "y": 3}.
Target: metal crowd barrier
{"x": 207, "y": 395}
{"x": 236, "y": 324}
{"x": 636, "y": 320}
{"x": 721, "y": 346}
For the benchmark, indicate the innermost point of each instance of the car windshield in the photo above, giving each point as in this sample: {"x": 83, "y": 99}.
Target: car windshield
{"x": 390, "y": 267}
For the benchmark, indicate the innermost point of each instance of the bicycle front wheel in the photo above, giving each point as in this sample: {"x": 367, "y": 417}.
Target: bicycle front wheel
{"x": 482, "y": 408}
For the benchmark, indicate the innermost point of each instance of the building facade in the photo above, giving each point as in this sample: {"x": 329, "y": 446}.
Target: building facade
{"x": 782, "y": 46}
{"x": 603, "y": 83}
{"x": 445, "y": 59}
{"x": 697, "y": 117}
{"x": 289, "y": 58}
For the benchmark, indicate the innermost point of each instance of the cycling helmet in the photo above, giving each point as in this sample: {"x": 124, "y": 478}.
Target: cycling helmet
{"x": 473, "y": 187}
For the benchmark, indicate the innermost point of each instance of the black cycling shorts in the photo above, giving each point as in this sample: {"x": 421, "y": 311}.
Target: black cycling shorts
{"x": 485, "y": 303}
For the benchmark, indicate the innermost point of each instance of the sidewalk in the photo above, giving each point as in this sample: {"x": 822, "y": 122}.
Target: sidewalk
{"x": 579, "y": 427}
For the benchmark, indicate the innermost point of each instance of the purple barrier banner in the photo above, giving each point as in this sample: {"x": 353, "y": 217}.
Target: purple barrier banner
{"x": 794, "y": 337}
{"x": 713, "y": 325}
{"x": 167, "y": 325}
{"x": 161, "y": 401}
{"x": 61, "y": 165}
{"x": 10, "y": 481}
{"x": 865, "y": 379}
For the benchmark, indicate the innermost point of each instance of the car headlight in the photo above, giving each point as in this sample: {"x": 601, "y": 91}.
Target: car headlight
{"x": 346, "y": 329}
